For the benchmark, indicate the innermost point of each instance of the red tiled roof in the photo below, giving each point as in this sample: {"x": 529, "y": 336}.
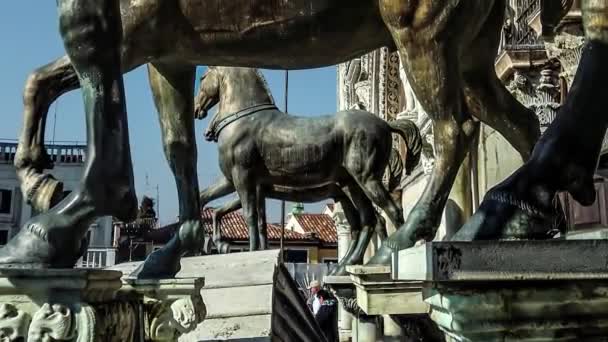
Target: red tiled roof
{"x": 234, "y": 227}
{"x": 320, "y": 224}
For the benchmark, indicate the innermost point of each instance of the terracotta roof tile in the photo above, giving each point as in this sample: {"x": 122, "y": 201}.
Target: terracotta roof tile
{"x": 234, "y": 227}
{"x": 320, "y": 224}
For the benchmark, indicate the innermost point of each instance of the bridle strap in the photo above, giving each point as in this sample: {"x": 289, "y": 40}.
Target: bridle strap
{"x": 218, "y": 127}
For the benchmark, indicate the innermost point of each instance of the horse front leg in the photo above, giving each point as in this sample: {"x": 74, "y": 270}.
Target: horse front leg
{"x": 566, "y": 156}
{"x": 43, "y": 86}
{"x": 244, "y": 182}
{"x": 91, "y": 32}
{"x": 262, "y": 224}
{"x": 222, "y": 246}
{"x": 172, "y": 88}
{"x": 430, "y": 60}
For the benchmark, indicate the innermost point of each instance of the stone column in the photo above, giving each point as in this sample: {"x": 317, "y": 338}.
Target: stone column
{"x": 393, "y": 332}
{"x": 364, "y": 329}
{"x": 345, "y": 319}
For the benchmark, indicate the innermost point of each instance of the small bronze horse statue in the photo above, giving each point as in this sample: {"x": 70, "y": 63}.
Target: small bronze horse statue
{"x": 265, "y": 153}
{"x": 395, "y": 175}
{"x": 447, "y": 49}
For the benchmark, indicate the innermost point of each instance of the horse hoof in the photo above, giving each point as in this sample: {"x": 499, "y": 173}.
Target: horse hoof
{"x": 42, "y": 191}
{"x": 161, "y": 264}
{"x": 339, "y": 270}
{"x": 44, "y": 242}
{"x": 36, "y": 158}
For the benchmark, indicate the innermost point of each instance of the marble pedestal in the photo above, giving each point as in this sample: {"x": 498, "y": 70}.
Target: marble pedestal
{"x": 370, "y": 294}
{"x": 91, "y": 305}
{"x": 554, "y": 290}
{"x": 363, "y": 327}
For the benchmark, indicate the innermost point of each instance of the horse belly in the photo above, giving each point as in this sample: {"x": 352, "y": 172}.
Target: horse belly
{"x": 242, "y": 15}
{"x": 305, "y": 163}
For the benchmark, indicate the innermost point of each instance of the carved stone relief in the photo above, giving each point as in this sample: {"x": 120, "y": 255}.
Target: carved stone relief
{"x": 13, "y": 323}
{"x": 567, "y": 49}
{"x": 52, "y": 322}
{"x": 376, "y": 82}
{"x": 167, "y": 321}
{"x": 539, "y": 91}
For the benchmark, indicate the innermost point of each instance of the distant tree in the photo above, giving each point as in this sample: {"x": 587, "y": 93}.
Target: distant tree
{"x": 146, "y": 208}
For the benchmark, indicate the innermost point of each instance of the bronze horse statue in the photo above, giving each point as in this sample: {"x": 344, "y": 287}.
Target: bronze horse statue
{"x": 395, "y": 175}
{"x": 264, "y": 152}
{"x": 447, "y": 49}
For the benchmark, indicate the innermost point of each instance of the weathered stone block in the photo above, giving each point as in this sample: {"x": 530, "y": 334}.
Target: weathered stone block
{"x": 554, "y": 290}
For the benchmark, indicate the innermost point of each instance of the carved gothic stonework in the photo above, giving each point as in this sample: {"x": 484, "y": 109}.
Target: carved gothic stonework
{"x": 389, "y": 89}
{"x": 567, "y": 49}
{"x": 52, "y": 323}
{"x": 91, "y": 306}
{"x": 169, "y": 320}
{"x": 538, "y": 90}
{"x": 14, "y": 323}
{"x": 376, "y": 82}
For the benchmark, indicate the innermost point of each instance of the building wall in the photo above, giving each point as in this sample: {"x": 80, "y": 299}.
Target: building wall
{"x": 496, "y": 160}
{"x": 327, "y": 253}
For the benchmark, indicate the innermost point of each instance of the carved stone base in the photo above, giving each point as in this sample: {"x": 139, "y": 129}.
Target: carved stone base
{"x": 90, "y": 305}
{"x": 378, "y": 294}
{"x": 370, "y": 295}
{"x": 552, "y": 290}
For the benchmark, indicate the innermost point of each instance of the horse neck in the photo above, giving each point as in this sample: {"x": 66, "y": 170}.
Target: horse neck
{"x": 241, "y": 94}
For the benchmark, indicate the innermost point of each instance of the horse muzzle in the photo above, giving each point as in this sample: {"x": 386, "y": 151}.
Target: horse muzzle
{"x": 200, "y": 113}
{"x": 209, "y": 135}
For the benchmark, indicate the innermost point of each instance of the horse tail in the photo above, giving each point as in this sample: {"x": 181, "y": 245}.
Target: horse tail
{"x": 408, "y": 130}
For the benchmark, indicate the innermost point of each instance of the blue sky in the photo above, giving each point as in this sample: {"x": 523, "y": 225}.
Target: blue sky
{"x": 29, "y": 35}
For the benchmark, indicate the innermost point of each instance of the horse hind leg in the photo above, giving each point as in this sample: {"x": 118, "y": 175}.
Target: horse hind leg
{"x": 362, "y": 228}
{"x": 487, "y": 98}
{"x": 222, "y": 187}
{"x": 173, "y": 89}
{"x": 352, "y": 218}
{"x": 42, "y": 87}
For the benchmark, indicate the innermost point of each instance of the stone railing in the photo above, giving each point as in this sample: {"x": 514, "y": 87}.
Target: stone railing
{"x": 528, "y": 9}
{"x": 98, "y": 258}
{"x": 69, "y": 153}
{"x": 518, "y": 33}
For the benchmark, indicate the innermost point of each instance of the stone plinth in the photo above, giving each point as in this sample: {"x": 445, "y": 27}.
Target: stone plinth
{"x": 70, "y": 305}
{"x": 249, "y": 297}
{"x": 378, "y": 294}
{"x": 362, "y": 327}
{"x": 553, "y": 290}
{"x": 91, "y": 305}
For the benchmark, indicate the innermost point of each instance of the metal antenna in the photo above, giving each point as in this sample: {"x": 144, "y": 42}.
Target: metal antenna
{"x": 55, "y": 121}
{"x": 282, "y": 254}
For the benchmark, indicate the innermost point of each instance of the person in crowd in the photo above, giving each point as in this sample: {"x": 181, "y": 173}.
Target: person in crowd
{"x": 313, "y": 302}
{"x": 327, "y": 315}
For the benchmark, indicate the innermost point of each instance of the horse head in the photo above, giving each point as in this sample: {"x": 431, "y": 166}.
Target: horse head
{"x": 208, "y": 93}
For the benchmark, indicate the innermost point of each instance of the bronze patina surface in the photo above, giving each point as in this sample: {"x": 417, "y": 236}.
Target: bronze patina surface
{"x": 447, "y": 49}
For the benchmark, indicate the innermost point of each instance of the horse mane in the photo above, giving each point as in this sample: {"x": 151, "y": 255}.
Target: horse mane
{"x": 264, "y": 84}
